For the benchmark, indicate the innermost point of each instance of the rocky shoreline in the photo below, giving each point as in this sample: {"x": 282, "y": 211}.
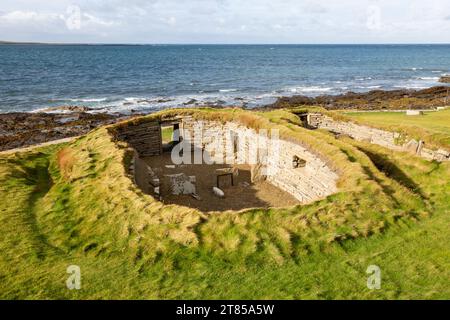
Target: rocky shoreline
{"x": 445, "y": 79}
{"x": 22, "y": 129}
{"x": 373, "y": 100}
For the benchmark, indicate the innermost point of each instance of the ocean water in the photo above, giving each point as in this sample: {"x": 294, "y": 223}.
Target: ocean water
{"x": 152, "y": 77}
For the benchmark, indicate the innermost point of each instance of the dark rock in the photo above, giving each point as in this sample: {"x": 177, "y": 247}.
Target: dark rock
{"x": 219, "y": 103}
{"x": 164, "y": 100}
{"x": 68, "y": 108}
{"x": 375, "y": 99}
{"x": 22, "y": 129}
{"x": 192, "y": 101}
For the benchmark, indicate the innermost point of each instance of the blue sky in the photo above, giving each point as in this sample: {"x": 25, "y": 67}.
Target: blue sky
{"x": 226, "y": 21}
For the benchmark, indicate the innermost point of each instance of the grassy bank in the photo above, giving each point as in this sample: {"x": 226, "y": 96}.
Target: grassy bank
{"x": 75, "y": 204}
{"x": 434, "y": 124}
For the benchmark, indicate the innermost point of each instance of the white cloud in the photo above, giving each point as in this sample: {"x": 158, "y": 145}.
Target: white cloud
{"x": 15, "y": 17}
{"x": 93, "y": 20}
{"x": 46, "y": 23}
{"x": 250, "y": 21}
{"x": 172, "y": 21}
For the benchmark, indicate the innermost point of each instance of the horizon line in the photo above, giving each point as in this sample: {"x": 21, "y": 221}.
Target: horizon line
{"x": 210, "y": 43}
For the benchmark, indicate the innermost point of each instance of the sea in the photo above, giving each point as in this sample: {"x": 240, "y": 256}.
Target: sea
{"x": 147, "y": 78}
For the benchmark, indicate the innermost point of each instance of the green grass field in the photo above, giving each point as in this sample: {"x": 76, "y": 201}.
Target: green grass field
{"x": 166, "y": 134}
{"x": 436, "y": 123}
{"x": 75, "y": 204}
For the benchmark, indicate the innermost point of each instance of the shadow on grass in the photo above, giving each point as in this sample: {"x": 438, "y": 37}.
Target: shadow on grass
{"x": 36, "y": 174}
{"x": 393, "y": 171}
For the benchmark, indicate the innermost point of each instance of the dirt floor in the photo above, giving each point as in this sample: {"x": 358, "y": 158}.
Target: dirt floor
{"x": 242, "y": 195}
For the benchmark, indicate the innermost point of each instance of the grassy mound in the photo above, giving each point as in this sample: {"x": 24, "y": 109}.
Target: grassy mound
{"x": 75, "y": 204}
{"x": 432, "y": 127}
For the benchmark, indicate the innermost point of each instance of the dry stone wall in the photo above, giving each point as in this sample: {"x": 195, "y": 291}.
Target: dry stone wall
{"x": 273, "y": 159}
{"x": 139, "y": 170}
{"x": 376, "y": 136}
{"x": 145, "y": 137}
{"x": 357, "y": 132}
{"x": 144, "y": 176}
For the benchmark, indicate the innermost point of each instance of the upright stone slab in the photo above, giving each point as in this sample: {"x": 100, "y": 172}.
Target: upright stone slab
{"x": 180, "y": 183}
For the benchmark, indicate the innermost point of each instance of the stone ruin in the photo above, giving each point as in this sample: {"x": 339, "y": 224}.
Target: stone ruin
{"x": 300, "y": 173}
{"x": 380, "y": 137}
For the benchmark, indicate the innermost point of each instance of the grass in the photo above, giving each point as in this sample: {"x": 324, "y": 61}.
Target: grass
{"x": 434, "y": 125}
{"x": 76, "y": 204}
{"x": 166, "y": 133}
{"x": 435, "y": 121}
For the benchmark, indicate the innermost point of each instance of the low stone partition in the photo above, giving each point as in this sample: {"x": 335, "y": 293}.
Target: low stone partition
{"x": 144, "y": 137}
{"x": 138, "y": 170}
{"x": 144, "y": 176}
{"x": 285, "y": 164}
{"x": 376, "y": 136}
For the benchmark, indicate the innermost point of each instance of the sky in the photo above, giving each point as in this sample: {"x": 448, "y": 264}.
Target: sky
{"x": 226, "y": 21}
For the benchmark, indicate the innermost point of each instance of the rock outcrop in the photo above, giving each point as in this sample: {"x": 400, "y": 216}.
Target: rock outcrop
{"x": 376, "y": 99}
{"x": 23, "y": 129}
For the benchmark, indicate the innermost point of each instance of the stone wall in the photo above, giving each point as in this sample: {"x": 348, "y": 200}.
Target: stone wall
{"x": 139, "y": 171}
{"x": 145, "y": 138}
{"x": 144, "y": 176}
{"x": 313, "y": 181}
{"x": 376, "y": 136}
